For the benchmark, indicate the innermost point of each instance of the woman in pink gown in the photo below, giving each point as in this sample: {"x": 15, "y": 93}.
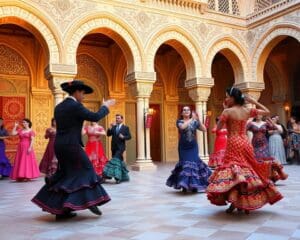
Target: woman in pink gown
{"x": 241, "y": 180}
{"x": 48, "y": 164}
{"x": 25, "y": 164}
{"x": 216, "y": 158}
{"x": 94, "y": 148}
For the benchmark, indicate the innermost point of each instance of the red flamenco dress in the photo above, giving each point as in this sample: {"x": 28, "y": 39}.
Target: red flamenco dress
{"x": 94, "y": 149}
{"x": 216, "y": 158}
{"x": 241, "y": 180}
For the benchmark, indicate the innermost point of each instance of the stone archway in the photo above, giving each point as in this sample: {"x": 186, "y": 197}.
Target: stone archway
{"x": 34, "y": 23}
{"x": 234, "y": 53}
{"x": 268, "y": 41}
{"x": 182, "y": 43}
{"x": 117, "y": 31}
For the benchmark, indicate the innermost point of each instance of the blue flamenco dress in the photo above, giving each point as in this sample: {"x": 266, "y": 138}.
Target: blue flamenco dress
{"x": 190, "y": 173}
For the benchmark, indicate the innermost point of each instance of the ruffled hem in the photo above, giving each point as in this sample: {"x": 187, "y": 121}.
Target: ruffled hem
{"x": 276, "y": 169}
{"x": 5, "y": 170}
{"x": 216, "y": 159}
{"x": 59, "y": 208}
{"x": 242, "y": 187}
{"x": 117, "y": 169}
{"x": 189, "y": 176}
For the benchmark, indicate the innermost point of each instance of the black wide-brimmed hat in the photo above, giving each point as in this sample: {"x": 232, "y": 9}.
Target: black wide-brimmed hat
{"x": 74, "y": 85}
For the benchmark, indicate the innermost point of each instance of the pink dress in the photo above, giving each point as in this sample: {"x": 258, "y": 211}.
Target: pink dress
{"x": 216, "y": 158}
{"x": 25, "y": 164}
{"x": 94, "y": 150}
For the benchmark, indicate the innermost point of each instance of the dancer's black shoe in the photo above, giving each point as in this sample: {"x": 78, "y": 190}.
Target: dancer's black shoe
{"x": 65, "y": 215}
{"x": 95, "y": 210}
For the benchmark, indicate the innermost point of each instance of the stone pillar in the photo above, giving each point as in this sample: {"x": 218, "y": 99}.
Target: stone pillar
{"x": 199, "y": 91}
{"x": 56, "y": 75}
{"x": 141, "y": 85}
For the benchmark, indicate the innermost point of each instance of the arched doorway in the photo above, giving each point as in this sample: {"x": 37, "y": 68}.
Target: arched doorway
{"x": 102, "y": 63}
{"x": 281, "y": 75}
{"x": 24, "y": 90}
{"x": 223, "y": 73}
{"x": 168, "y": 96}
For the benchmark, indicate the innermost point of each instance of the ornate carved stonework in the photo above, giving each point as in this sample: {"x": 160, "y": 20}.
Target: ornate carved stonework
{"x": 41, "y": 117}
{"x": 88, "y": 68}
{"x": 199, "y": 93}
{"x": 11, "y": 63}
{"x": 64, "y": 12}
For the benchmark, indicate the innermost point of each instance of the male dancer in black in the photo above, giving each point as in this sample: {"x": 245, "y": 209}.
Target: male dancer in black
{"x": 75, "y": 185}
{"x": 116, "y": 167}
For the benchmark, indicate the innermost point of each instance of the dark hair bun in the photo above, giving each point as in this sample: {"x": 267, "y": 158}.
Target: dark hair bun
{"x": 236, "y": 94}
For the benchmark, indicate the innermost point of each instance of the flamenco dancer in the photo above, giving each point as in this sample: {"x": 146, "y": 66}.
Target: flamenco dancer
{"x": 48, "y": 164}
{"x": 190, "y": 173}
{"x": 75, "y": 185}
{"x": 94, "y": 148}
{"x": 260, "y": 144}
{"x": 216, "y": 158}
{"x": 241, "y": 180}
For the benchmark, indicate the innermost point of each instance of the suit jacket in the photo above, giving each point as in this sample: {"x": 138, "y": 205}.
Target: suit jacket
{"x": 69, "y": 116}
{"x": 116, "y": 142}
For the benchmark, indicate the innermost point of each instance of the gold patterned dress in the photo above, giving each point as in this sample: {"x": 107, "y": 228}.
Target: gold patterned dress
{"x": 241, "y": 180}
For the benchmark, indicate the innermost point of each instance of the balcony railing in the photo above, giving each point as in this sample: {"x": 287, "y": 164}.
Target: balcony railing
{"x": 274, "y": 6}
{"x": 193, "y": 6}
{"x": 224, "y": 6}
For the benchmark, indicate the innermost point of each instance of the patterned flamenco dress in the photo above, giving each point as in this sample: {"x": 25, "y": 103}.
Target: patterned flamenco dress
{"x": 216, "y": 158}
{"x": 241, "y": 180}
{"x": 25, "y": 164}
{"x": 190, "y": 173}
{"x": 94, "y": 150}
{"x": 5, "y": 167}
{"x": 262, "y": 154}
{"x": 48, "y": 164}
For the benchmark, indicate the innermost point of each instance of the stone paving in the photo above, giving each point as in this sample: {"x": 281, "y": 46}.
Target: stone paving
{"x": 145, "y": 209}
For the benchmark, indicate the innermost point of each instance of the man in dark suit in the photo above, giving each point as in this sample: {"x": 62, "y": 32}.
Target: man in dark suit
{"x": 75, "y": 185}
{"x": 120, "y": 133}
{"x": 116, "y": 167}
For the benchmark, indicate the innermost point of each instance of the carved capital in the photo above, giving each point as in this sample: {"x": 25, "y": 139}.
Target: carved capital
{"x": 199, "y": 94}
{"x": 253, "y": 89}
{"x": 141, "y": 89}
{"x": 60, "y": 70}
{"x": 199, "y": 82}
{"x": 141, "y": 76}
{"x": 141, "y": 83}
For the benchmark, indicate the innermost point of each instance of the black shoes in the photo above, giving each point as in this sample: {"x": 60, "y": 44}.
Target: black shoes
{"x": 118, "y": 181}
{"x": 65, "y": 215}
{"x": 95, "y": 210}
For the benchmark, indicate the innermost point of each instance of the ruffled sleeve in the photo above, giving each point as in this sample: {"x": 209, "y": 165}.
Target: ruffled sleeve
{"x": 32, "y": 134}
{"x": 253, "y": 112}
{"x": 223, "y": 118}
{"x": 178, "y": 123}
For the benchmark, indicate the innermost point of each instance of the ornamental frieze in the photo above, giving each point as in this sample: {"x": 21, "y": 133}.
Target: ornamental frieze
{"x": 64, "y": 12}
{"x": 11, "y": 63}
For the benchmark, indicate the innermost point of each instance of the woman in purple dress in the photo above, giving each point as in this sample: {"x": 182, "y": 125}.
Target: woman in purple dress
{"x": 260, "y": 144}
{"x": 48, "y": 164}
{"x": 5, "y": 166}
{"x": 190, "y": 173}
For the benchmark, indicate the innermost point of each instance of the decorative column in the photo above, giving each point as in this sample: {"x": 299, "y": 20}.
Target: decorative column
{"x": 58, "y": 74}
{"x": 199, "y": 91}
{"x": 141, "y": 85}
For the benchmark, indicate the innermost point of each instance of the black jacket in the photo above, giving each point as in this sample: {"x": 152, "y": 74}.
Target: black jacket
{"x": 117, "y": 143}
{"x": 69, "y": 116}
